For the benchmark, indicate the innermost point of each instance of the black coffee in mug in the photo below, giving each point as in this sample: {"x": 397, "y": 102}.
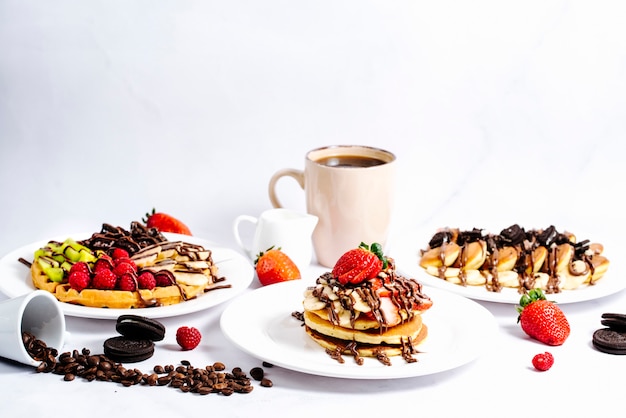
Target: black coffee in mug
{"x": 349, "y": 161}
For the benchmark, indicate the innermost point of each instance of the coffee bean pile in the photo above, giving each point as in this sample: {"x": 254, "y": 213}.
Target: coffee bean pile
{"x": 185, "y": 377}
{"x": 39, "y": 351}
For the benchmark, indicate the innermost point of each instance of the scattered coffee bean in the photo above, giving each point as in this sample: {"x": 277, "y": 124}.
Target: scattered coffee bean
{"x": 257, "y": 373}
{"x": 266, "y": 364}
{"x": 186, "y": 378}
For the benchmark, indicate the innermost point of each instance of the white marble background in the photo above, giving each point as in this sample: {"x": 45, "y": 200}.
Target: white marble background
{"x": 108, "y": 108}
{"x": 500, "y": 112}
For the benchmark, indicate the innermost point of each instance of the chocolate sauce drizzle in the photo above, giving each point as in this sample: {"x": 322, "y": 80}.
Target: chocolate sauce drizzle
{"x": 404, "y": 293}
{"x": 525, "y": 243}
{"x": 138, "y": 237}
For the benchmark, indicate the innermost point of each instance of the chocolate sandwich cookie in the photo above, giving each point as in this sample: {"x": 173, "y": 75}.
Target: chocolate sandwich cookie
{"x": 126, "y": 350}
{"x": 140, "y": 328}
{"x": 609, "y": 341}
{"x": 614, "y": 321}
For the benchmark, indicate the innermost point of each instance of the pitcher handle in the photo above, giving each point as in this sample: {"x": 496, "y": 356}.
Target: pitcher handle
{"x": 298, "y": 175}
{"x": 238, "y": 220}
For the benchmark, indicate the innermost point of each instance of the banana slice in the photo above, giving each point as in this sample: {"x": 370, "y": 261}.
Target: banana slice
{"x": 577, "y": 273}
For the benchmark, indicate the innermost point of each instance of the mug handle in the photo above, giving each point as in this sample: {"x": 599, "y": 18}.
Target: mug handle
{"x": 238, "y": 220}
{"x": 298, "y": 175}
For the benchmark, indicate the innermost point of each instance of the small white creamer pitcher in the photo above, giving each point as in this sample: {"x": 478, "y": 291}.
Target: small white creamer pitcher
{"x": 281, "y": 228}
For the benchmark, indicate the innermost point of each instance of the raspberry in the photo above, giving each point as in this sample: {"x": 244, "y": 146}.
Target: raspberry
{"x": 124, "y": 260}
{"x": 164, "y": 279}
{"x": 188, "y": 337}
{"x": 79, "y": 280}
{"x": 146, "y": 280}
{"x": 127, "y": 282}
{"x": 80, "y": 266}
{"x": 104, "y": 280}
{"x": 103, "y": 263}
{"x": 543, "y": 361}
{"x": 119, "y": 253}
{"x": 124, "y": 268}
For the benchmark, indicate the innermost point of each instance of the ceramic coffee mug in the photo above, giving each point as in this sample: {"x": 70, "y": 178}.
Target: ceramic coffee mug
{"x": 37, "y": 312}
{"x": 350, "y": 188}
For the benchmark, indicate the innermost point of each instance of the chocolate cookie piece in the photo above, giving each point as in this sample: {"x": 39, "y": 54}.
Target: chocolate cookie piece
{"x": 126, "y": 350}
{"x": 609, "y": 341}
{"x": 614, "y": 321}
{"x": 140, "y": 328}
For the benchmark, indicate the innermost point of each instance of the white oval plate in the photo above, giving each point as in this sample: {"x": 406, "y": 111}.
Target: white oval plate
{"x": 15, "y": 280}
{"x": 261, "y": 324}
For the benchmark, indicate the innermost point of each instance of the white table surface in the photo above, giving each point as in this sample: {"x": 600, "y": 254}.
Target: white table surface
{"x": 498, "y": 114}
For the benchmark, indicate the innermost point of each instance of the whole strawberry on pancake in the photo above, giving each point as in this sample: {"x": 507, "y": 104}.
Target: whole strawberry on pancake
{"x": 364, "y": 308}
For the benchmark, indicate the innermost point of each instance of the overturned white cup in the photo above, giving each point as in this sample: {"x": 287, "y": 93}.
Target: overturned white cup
{"x": 38, "y": 313}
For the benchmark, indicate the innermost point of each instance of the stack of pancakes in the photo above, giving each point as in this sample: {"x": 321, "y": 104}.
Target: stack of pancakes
{"x": 380, "y": 317}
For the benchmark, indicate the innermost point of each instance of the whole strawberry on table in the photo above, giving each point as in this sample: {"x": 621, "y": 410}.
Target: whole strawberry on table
{"x": 542, "y": 319}
{"x": 274, "y": 266}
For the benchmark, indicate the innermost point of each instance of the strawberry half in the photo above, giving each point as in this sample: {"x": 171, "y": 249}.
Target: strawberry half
{"x": 541, "y": 319}
{"x": 360, "y": 264}
{"x": 165, "y": 223}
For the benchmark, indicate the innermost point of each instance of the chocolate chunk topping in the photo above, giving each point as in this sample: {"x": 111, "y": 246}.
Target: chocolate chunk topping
{"x": 513, "y": 235}
{"x": 132, "y": 241}
{"x": 440, "y": 238}
{"x": 465, "y": 237}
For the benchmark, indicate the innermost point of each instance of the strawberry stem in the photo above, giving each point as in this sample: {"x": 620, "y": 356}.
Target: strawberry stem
{"x": 377, "y": 249}
{"x": 261, "y": 254}
{"x": 148, "y": 215}
{"x": 533, "y": 295}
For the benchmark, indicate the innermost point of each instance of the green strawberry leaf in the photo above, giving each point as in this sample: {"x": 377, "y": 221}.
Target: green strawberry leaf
{"x": 378, "y": 250}
{"x": 533, "y": 295}
{"x": 148, "y": 215}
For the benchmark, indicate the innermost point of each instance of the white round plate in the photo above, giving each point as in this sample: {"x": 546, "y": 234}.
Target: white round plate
{"x": 15, "y": 280}
{"x": 261, "y": 324}
{"x": 407, "y": 262}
